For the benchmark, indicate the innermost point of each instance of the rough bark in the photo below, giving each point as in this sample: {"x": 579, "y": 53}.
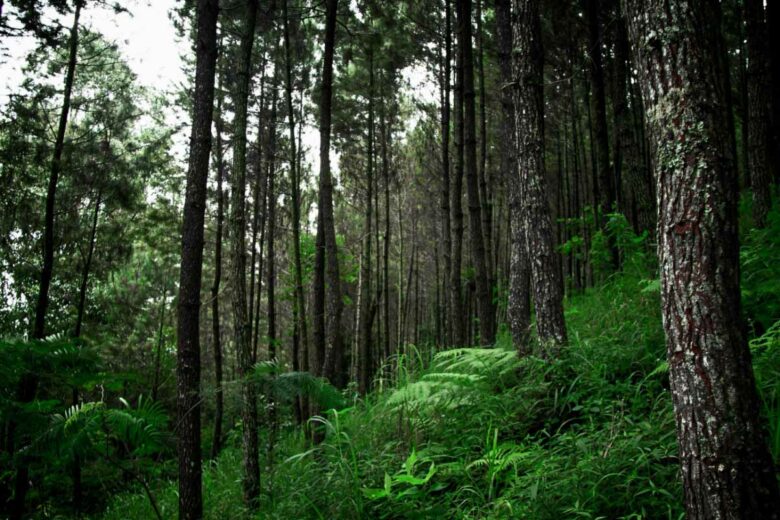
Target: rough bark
{"x": 242, "y": 326}
{"x": 519, "y": 302}
{"x": 484, "y": 301}
{"x": 534, "y": 214}
{"x": 188, "y": 345}
{"x": 759, "y": 110}
{"x": 726, "y": 468}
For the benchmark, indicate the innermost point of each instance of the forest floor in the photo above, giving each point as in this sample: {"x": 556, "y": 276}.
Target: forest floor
{"x": 478, "y": 433}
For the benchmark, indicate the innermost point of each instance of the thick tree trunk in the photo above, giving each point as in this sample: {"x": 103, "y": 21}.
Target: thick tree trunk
{"x": 241, "y": 323}
{"x": 188, "y": 347}
{"x": 534, "y": 216}
{"x": 519, "y": 302}
{"x": 271, "y": 260}
{"x": 726, "y": 468}
{"x": 327, "y": 355}
{"x": 484, "y": 301}
{"x": 759, "y": 110}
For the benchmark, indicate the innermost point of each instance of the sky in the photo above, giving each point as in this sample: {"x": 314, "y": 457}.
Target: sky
{"x": 148, "y": 41}
{"x": 145, "y": 36}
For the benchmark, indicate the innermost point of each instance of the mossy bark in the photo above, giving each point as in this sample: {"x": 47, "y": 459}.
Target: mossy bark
{"x": 726, "y": 468}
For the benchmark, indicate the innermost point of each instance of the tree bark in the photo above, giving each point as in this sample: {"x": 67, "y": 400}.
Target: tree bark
{"x": 484, "y": 301}
{"x": 241, "y": 323}
{"x": 328, "y": 356}
{"x": 759, "y": 110}
{"x": 188, "y": 346}
{"x": 726, "y": 468}
{"x": 519, "y": 301}
{"x": 534, "y": 216}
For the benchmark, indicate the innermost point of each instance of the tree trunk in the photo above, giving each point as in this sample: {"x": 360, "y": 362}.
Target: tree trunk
{"x": 534, "y": 216}
{"x": 241, "y": 324}
{"x": 485, "y": 188}
{"x": 301, "y": 343}
{"x": 726, "y": 468}
{"x": 365, "y": 363}
{"x": 484, "y": 302}
{"x": 188, "y": 347}
{"x": 271, "y": 260}
{"x": 519, "y": 302}
{"x": 327, "y": 356}
{"x": 446, "y": 228}
{"x": 606, "y": 186}
{"x": 456, "y": 206}
{"x": 216, "y": 331}
{"x": 759, "y": 110}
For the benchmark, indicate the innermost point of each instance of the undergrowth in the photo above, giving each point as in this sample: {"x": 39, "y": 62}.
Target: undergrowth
{"x": 479, "y": 433}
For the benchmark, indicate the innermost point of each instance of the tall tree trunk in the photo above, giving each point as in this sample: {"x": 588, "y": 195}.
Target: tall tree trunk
{"x": 726, "y": 468}
{"x": 535, "y": 210}
{"x": 365, "y": 363}
{"x": 271, "y": 261}
{"x": 759, "y": 110}
{"x": 456, "y": 205}
{"x": 484, "y": 302}
{"x": 241, "y": 324}
{"x": 258, "y": 199}
{"x": 327, "y": 359}
{"x": 216, "y": 330}
{"x": 386, "y": 137}
{"x": 446, "y": 228}
{"x": 485, "y": 188}
{"x": 188, "y": 347}
{"x": 301, "y": 343}
{"x": 519, "y": 302}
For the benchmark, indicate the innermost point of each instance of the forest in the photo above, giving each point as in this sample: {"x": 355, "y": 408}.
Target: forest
{"x": 389, "y": 259}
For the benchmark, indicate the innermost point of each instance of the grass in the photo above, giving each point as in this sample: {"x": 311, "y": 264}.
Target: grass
{"x": 478, "y": 433}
